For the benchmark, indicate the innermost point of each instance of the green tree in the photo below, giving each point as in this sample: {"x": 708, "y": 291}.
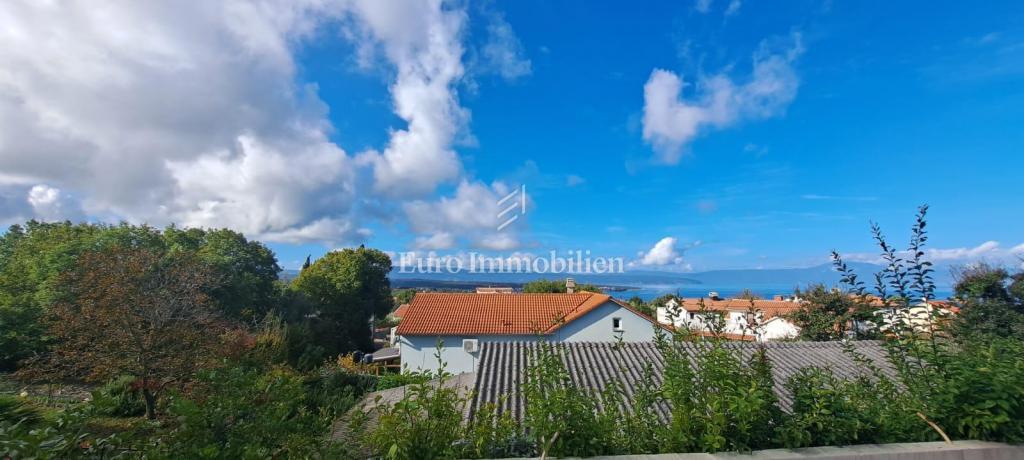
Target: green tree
{"x": 546, "y": 286}
{"x": 403, "y": 296}
{"x": 134, "y": 312}
{"x": 34, "y": 255}
{"x": 248, "y": 268}
{"x": 825, "y": 314}
{"x": 347, "y": 289}
{"x": 991, "y": 304}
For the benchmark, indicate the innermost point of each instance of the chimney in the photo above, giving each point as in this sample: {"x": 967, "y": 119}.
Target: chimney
{"x": 570, "y": 285}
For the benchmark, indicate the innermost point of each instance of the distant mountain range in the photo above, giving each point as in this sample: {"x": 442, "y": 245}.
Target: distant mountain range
{"x": 752, "y": 278}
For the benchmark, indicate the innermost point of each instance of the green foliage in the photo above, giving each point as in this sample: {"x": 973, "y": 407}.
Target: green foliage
{"x": 991, "y": 304}
{"x": 396, "y": 379}
{"x": 346, "y": 288}
{"x": 119, "y": 397}
{"x": 545, "y": 286}
{"x": 33, "y": 257}
{"x": 826, "y": 313}
{"x": 244, "y": 413}
{"x": 249, "y": 269}
{"x": 19, "y": 410}
{"x": 403, "y": 296}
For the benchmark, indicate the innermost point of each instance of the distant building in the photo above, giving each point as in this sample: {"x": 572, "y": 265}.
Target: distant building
{"x": 462, "y": 323}
{"x": 768, "y": 321}
{"x": 922, "y": 317}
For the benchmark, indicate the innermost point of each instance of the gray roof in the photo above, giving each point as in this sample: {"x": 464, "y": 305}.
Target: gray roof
{"x": 592, "y": 365}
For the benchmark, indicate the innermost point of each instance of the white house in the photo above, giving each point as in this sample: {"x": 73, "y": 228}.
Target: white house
{"x": 457, "y": 324}
{"x": 768, "y": 321}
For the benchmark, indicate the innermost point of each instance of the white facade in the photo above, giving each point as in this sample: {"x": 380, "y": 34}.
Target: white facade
{"x": 607, "y": 322}
{"x": 735, "y": 322}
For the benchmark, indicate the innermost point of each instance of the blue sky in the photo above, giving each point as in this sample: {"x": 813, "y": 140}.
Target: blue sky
{"x": 739, "y": 134}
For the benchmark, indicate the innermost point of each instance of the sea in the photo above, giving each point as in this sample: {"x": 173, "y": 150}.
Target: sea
{"x": 650, "y": 292}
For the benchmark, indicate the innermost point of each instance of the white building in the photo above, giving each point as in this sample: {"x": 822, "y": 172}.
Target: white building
{"x": 457, "y": 324}
{"x": 767, "y": 322}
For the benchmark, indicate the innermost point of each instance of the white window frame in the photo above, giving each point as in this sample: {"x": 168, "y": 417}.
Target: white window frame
{"x": 617, "y": 324}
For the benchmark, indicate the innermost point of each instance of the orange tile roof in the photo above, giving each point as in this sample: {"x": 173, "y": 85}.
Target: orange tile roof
{"x": 495, "y": 314}
{"x": 400, "y": 311}
{"x": 768, "y": 308}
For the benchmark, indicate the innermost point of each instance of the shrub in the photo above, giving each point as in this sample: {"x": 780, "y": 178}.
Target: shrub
{"x": 19, "y": 410}
{"x": 119, "y": 397}
{"x": 395, "y": 380}
{"x": 242, "y": 413}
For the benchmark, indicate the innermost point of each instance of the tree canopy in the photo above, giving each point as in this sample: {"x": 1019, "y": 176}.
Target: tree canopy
{"x": 546, "y": 286}
{"x": 347, "y": 289}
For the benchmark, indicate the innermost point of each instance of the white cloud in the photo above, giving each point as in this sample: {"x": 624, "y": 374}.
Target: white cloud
{"x": 51, "y": 204}
{"x": 664, "y": 252}
{"x": 503, "y": 53}
{"x": 440, "y": 240}
{"x": 191, "y": 113}
{"x": 170, "y": 112}
{"x": 671, "y": 121}
{"x": 988, "y": 248}
{"x": 733, "y": 8}
{"x": 503, "y": 241}
{"x": 573, "y": 180}
{"x": 422, "y": 40}
{"x": 472, "y": 212}
{"x": 702, "y": 6}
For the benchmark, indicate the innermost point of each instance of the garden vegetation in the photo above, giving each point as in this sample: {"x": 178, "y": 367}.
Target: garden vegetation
{"x": 195, "y": 349}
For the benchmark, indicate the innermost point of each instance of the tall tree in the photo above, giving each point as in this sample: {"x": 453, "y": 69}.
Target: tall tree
{"x": 347, "y": 289}
{"x": 135, "y": 312}
{"x": 248, "y": 268}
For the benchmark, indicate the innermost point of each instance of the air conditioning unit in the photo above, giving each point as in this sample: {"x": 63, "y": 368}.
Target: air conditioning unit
{"x": 470, "y": 345}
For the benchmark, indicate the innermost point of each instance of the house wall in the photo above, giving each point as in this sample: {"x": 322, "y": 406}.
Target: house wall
{"x": 417, "y": 352}
{"x": 735, "y": 323}
{"x": 778, "y": 328}
{"x": 596, "y": 326}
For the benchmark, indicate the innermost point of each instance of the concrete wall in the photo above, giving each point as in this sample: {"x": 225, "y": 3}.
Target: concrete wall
{"x": 596, "y": 326}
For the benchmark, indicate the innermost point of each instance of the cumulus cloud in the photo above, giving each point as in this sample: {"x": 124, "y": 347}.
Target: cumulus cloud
{"x": 169, "y": 112}
{"x": 664, "y": 252}
{"x": 422, "y": 41}
{"x": 671, "y": 120}
{"x": 472, "y": 211}
{"x": 191, "y": 113}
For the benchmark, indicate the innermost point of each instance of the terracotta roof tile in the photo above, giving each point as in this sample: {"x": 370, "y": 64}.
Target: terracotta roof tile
{"x": 769, "y": 308}
{"x": 400, "y": 311}
{"x": 497, "y": 314}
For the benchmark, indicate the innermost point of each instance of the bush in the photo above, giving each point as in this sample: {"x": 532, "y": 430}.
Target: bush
{"x": 243, "y": 413}
{"x": 19, "y": 410}
{"x": 120, "y": 397}
{"x": 395, "y": 380}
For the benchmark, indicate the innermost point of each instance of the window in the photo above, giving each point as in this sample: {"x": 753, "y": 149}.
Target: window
{"x": 617, "y": 324}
